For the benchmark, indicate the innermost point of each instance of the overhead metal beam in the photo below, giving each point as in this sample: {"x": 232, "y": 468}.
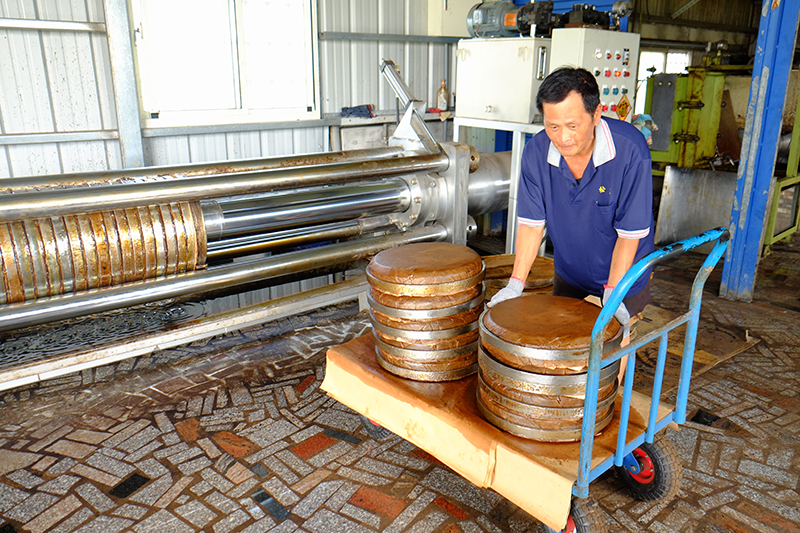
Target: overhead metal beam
{"x": 773, "y": 61}
{"x": 59, "y": 137}
{"x": 678, "y": 12}
{"x": 651, "y": 19}
{"x": 355, "y": 36}
{"x": 51, "y": 25}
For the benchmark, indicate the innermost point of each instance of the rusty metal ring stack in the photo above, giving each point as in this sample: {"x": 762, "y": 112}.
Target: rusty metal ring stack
{"x": 425, "y": 300}
{"x": 533, "y": 360}
{"x": 43, "y": 257}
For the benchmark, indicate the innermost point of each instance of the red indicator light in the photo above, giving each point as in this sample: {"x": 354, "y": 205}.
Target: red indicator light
{"x": 613, "y": 108}
{"x": 627, "y": 74}
{"x": 619, "y": 56}
{"x": 608, "y": 73}
{"x": 617, "y": 74}
{"x": 605, "y": 108}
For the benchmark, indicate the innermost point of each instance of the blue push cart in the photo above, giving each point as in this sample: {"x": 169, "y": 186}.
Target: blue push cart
{"x": 651, "y": 467}
{"x": 549, "y": 480}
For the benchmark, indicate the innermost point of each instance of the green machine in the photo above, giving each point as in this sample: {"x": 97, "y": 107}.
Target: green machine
{"x": 697, "y": 125}
{"x": 784, "y": 215}
{"x": 700, "y": 117}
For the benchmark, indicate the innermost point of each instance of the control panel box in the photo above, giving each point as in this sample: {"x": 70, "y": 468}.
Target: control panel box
{"x": 497, "y": 79}
{"x": 613, "y": 58}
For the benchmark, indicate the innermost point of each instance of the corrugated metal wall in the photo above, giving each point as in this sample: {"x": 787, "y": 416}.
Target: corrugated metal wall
{"x": 54, "y": 82}
{"x": 60, "y": 81}
{"x": 350, "y": 73}
{"x": 205, "y": 147}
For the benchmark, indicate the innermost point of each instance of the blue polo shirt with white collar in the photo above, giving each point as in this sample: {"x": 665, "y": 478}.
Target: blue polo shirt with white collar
{"x": 584, "y": 218}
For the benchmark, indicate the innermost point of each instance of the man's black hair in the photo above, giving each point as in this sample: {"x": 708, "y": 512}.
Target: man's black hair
{"x": 556, "y": 87}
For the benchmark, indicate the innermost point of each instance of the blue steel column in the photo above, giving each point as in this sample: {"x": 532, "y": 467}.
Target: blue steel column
{"x": 773, "y": 61}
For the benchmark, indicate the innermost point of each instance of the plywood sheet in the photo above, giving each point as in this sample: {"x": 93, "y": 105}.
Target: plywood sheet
{"x": 443, "y": 419}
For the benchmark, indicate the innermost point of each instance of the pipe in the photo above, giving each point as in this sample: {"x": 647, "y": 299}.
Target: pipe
{"x": 75, "y": 200}
{"x": 99, "y": 300}
{"x": 271, "y": 211}
{"x": 252, "y": 244}
{"x": 488, "y": 186}
{"x": 673, "y": 45}
{"x": 138, "y": 175}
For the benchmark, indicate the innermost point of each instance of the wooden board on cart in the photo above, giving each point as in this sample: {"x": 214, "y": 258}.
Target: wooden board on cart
{"x": 443, "y": 419}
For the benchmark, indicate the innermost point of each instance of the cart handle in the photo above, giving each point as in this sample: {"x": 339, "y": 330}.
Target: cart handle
{"x": 721, "y": 235}
{"x": 650, "y": 260}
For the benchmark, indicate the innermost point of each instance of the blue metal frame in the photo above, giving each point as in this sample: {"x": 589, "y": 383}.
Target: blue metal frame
{"x": 774, "y": 50}
{"x": 596, "y": 362}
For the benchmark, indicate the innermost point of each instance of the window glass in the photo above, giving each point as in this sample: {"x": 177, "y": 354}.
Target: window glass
{"x": 651, "y": 62}
{"x": 225, "y": 61}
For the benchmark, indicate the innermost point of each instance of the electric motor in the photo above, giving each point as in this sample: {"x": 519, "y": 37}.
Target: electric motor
{"x": 493, "y": 19}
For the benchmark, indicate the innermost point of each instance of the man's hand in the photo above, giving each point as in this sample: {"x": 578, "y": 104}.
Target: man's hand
{"x": 512, "y": 290}
{"x": 621, "y": 314}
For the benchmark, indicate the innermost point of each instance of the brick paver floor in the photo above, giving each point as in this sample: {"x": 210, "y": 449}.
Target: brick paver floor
{"x": 242, "y": 439}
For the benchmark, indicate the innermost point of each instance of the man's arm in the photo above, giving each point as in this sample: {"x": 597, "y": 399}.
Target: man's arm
{"x": 621, "y": 259}
{"x": 529, "y": 239}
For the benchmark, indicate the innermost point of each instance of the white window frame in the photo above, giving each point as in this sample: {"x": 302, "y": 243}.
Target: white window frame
{"x": 241, "y": 109}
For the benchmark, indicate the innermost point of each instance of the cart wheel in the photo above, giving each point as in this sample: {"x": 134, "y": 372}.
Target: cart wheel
{"x": 374, "y": 430}
{"x": 652, "y": 471}
{"x": 584, "y": 517}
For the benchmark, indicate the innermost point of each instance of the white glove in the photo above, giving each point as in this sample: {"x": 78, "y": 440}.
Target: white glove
{"x": 512, "y": 290}
{"x": 621, "y": 314}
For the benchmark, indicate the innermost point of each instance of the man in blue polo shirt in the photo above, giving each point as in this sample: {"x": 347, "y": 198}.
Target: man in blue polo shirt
{"x": 588, "y": 179}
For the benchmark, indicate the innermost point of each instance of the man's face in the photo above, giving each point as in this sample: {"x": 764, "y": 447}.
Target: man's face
{"x": 569, "y": 126}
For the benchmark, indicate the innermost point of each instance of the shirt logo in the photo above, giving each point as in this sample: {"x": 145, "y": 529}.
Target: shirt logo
{"x": 602, "y": 189}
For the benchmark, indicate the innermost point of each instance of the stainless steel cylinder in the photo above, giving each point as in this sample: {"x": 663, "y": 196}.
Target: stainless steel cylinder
{"x": 425, "y": 328}
{"x": 49, "y": 256}
{"x": 293, "y": 209}
{"x": 75, "y": 200}
{"x": 489, "y": 184}
{"x": 145, "y": 174}
{"x": 253, "y": 244}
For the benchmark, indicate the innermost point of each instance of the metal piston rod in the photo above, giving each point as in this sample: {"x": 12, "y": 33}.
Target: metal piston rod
{"x": 140, "y": 175}
{"x": 76, "y": 200}
{"x": 128, "y": 248}
{"x": 233, "y": 217}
